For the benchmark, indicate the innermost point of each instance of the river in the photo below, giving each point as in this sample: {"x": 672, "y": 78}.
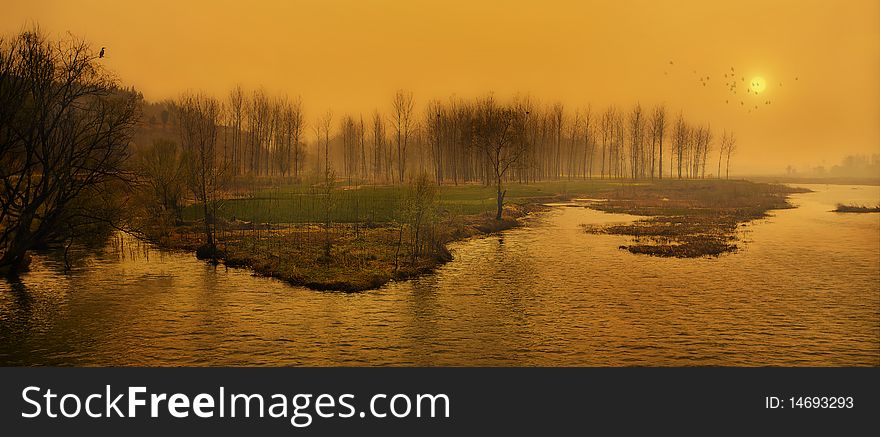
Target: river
{"x": 803, "y": 290}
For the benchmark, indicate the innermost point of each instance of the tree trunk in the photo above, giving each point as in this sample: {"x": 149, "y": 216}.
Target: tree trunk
{"x": 15, "y": 258}
{"x": 660, "y": 162}
{"x": 208, "y": 234}
{"x": 728, "y": 165}
{"x": 501, "y": 195}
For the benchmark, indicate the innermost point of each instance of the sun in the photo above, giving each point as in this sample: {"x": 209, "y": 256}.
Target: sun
{"x": 758, "y": 84}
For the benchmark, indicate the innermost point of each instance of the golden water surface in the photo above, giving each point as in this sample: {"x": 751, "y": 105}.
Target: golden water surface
{"x": 803, "y": 290}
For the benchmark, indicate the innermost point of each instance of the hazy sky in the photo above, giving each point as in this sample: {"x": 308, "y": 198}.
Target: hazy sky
{"x": 352, "y": 54}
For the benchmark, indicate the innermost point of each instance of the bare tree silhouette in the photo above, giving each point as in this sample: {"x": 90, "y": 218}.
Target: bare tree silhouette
{"x": 64, "y": 133}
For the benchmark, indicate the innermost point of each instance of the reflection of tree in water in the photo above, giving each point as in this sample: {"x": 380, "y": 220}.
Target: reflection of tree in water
{"x": 499, "y": 313}
{"x": 423, "y": 322}
{"x": 16, "y": 309}
{"x": 124, "y": 247}
{"x": 21, "y": 314}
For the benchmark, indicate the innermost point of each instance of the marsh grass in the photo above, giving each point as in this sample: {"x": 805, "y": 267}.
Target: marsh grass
{"x": 856, "y": 208}
{"x": 689, "y": 219}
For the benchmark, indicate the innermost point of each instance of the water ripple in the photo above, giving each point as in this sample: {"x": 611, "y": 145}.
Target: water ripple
{"x": 803, "y": 291}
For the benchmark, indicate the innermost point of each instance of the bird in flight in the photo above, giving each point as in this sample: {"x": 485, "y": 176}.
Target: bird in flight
{"x": 101, "y": 55}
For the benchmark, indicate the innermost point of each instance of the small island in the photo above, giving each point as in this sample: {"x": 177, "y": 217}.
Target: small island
{"x": 694, "y": 220}
{"x": 856, "y": 208}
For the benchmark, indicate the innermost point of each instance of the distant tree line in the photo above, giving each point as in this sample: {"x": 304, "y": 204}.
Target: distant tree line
{"x": 463, "y": 141}
{"x": 259, "y": 135}
{"x": 851, "y": 166}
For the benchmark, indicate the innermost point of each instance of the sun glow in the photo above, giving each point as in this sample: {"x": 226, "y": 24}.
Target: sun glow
{"x": 758, "y": 84}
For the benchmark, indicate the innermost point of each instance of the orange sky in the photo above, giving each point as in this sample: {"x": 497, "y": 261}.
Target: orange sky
{"x": 352, "y": 54}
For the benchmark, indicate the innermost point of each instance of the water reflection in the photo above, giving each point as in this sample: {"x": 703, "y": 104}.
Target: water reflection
{"x": 804, "y": 290}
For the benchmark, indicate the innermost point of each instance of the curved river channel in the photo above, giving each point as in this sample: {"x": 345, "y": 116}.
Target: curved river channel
{"x": 803, "y": 290}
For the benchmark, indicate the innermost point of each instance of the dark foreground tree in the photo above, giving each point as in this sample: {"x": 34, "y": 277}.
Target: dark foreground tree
{"x": 65, "y": 128}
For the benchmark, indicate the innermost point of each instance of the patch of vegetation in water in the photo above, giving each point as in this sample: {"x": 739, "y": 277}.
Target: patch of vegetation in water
{"x": 690, "y": 219}
{"x": 360, "y": 257}
{"x": 856, "y": 208}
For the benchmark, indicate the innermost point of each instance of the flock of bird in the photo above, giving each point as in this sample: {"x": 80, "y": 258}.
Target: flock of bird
{"x": 734, "y": 84}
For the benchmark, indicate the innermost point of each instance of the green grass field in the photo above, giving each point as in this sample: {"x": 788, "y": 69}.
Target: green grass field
{"x": 300, "y": 203}
{"x": 378, "y": 204}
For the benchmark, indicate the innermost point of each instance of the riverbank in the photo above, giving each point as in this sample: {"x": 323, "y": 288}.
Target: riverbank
{"x": 378, "y": 244}
{"x": 699, "y": 218}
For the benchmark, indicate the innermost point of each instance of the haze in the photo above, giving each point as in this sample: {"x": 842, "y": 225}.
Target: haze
{"x": 352, "y": 55}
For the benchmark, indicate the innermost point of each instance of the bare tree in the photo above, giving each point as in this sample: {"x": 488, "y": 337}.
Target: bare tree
{"x": 420, "y": 214}
{"x": 65, "y": 128}
{"x": 618, "y": 144}
{"x": 636, "y": 135}
{"x": 403, "y": 125}
{"x": 236, "y": 123}
{"x": 607, "y": 128}
{"x": 680, "y": 139}
{"x": 260, "y": 131}
{"x": 523, "y": 169}
{"x": 295, "y": 125}
{"x": 348, "y": 130}
{"x": 658, "y": 131}
{"x": 198, "y": 118}
{"x": 378, "y": 139}
{"x": 497, "y": 129}
{"x": 589, "y": 143}
{"x": 162, "y": 171}
{"x": 433, "y": 124}
{"x": 574, "y": 134}
{"x": 705, "y": 147}
{"x": 362, "y": 143}
{"x": 324, "y": 124}
{"x": 728, "y": 150}
{"x": 558, "y": 120}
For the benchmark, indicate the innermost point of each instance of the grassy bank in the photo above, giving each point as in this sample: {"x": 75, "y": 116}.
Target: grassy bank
{"x": 691, "y": 218}
{"x": 368, "y": 241}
